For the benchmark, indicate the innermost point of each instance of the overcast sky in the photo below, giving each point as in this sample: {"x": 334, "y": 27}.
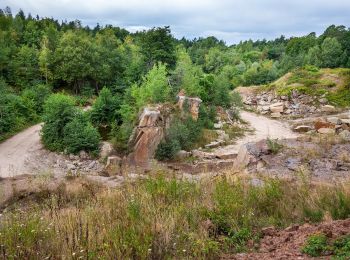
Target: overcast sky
{"x": 230, "y": 20}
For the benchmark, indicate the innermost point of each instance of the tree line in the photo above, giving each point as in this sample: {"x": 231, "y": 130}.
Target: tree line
{"x": 41, "y": 55}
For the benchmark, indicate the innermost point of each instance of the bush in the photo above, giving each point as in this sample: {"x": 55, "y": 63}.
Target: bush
{"x": 37, "y": 96}
{"x": 105, "y": 109}
{"x": 316, "y": 245}
{"x": 167, "y": 150}
{"x": 80, "y": 135}
{"x": 59, "y": 110}
{"x": 182, "y": 135}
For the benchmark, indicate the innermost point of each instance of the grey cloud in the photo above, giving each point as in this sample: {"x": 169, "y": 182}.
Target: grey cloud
{"x": 230, "y": 20}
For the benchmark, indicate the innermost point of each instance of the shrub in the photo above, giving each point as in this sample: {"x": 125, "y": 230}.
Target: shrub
{"x": 79, "y": 134}
{"x": 167, "y": 150}
{"x": 316, "y": 245}
{"x": 37, "y": 95}
{"x": 105, "y": 109}
{"x": 59, "y": 110}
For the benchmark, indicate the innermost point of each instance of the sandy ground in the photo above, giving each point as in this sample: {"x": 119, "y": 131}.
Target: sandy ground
{"x": 264, "y": 128}
{"x": 16, "y": 152}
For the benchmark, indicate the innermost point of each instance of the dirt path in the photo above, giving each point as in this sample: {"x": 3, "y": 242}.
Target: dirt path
{"x": 264, "y": 128}
{"x": 16, "y": 151}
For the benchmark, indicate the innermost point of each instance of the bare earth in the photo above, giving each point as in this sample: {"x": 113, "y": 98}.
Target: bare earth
{"x": 16, "y": 151}
{"x": 264, "y": 128}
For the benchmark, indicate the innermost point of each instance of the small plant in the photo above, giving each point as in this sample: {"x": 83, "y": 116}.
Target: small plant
{"x": 316, "y": 245}
{"x": 341, "y": 247}
{"x": 274, "y": 146}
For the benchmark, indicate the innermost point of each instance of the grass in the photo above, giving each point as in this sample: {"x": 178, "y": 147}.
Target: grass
{"x": 161, "y": 217}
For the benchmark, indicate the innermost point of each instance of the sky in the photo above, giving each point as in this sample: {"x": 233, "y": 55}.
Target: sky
{"x": 228, "y": 20}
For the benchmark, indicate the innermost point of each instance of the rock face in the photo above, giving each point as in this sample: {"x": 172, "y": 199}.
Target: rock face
{"x": 147, "y": 135}
{"x": 193, "y": 104}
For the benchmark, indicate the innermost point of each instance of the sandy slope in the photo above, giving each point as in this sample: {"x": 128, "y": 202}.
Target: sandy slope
{"x": 16, "y": 152}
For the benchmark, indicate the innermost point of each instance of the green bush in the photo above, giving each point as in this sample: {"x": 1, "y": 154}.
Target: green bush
{"x": 341, "y": 247}
{"x": 36, "y": 96}
{"x": 316, "y": 245}
{"x": 105, "y": 109}
{"x": 182, "y": 135}
{"x": 80, "y": 135}
{"x": 59, "y": 110}
{"x": 167, "y": 150}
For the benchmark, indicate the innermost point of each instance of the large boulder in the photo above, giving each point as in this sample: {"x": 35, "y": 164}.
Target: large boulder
{"x": 148, "y": 134}
{"x": 193, "y": 104}
{"x": 328, "y": 109}
{"x": 106, "y": 149}
{"x": 277, "y": 107}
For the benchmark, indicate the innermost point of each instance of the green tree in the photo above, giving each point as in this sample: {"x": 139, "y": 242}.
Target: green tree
{"x": 188, "y": 75}
{"x": 154, "y": 88}
{"x": 80, "y": 135}
{"x": 158, "y": 45}
{"x": 25, "y": 69}
{"x": 105, "y": 110}
{"x": 332, "y": 53}
{"x": 73, "y": 58}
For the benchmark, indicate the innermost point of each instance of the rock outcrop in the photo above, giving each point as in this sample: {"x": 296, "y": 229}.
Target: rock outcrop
{"x": 148, "y": 134}
{"x": 193, "y": 104}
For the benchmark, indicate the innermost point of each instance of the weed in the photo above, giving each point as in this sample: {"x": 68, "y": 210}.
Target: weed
{"x": 274, "y": 146}
{"x": 316, "y": 245}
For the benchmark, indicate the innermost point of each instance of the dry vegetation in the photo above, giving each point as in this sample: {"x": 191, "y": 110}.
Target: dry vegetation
{"x": 161, "y": 217}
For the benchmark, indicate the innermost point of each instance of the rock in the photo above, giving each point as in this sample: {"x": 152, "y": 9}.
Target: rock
{"x": 213, "y": 145}
{"x": 113, "y": 165}
{"x": 222, "y": 135}
{"x": 147, "y": 135}
{"x": 71, "y": 167}
{"x": 345, "y": 127}
{"x": 328, "y": 108}
{"x": 276, "y": 115}
{"x": 277, "y": 107}
{"x": 326, "y": 131}
{"x": 284, "y": 98}
{"x": 193, "y": 103}
{"x": 92, "y": 165}
{"x": 218, "y": 125}
{"x": 334, "y": 120}
{"x": 288, "y": 111}
{"x": 73, "y": 157}
{"x": 323, "y": 101}
{"x": 302, "y": 128}
{"x": 322, "y": 124}
{"x": 182, "y": 154}
{"x": 83, "y": 155}
{"x": 345, "y": 121}
{"x": 268, "y": 231}
{"x": 293, "y": 163}
{"x": 106, "y": 149}
{"x": 345, "y": 135}
{"x": 225, "y": 155}
{"x": 203, "y": 155}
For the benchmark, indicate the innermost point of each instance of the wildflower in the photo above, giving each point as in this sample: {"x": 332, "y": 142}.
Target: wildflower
{"x": 184, "y": 250}
{"x": 81, "y": 250}
{"x": 73, "y": 254}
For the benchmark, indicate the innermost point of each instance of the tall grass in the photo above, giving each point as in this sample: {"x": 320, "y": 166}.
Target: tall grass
{"x": 162, "y": 218}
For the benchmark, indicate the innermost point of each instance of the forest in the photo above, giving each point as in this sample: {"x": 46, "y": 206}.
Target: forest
{"x": 49, "y": 68}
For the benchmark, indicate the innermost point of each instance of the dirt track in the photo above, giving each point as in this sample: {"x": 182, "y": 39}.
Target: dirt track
{"x": 16, "y": 152}
{"x": 264, "y": 128}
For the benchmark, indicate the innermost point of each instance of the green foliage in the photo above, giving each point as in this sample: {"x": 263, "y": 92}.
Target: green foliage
{"x": 316, "y": 245}
{"x": 331, "y": 53}
{"x": 154, "y": 88}
{"x": 105, "y": 109}
{"x": 167, "y": 150}
{"x": 80, "y": 135}
{"x": 157, "y": 45}
{"x": 182, "y": 135}
{"x": 59, "y": 110}
{"x": 66, "y": 128}
{"x": 36, "y": 96}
